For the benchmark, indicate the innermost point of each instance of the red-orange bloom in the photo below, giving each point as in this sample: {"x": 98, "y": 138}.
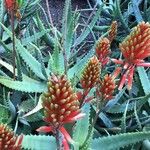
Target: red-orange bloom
{"x": 60, "y": 105}
{"x": 107, "y": 87}
{"x": 134, "y": 48}
{"x": 10, "y": 4}
{"x": 8, "y": 141}
{"x": 112, "y": 31}
{"x": 90, "y": 74}
{"x": 60, "y": 102}
{"x": 103, "y": 50}
{"x": 13, "y": 5}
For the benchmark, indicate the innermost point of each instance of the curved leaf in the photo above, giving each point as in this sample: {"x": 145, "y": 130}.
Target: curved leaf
{"x": 24, "y": 86}
{"x": 34, "y": 142}
{"x": 82, "y": 127}
{"x": 118, "y": 141}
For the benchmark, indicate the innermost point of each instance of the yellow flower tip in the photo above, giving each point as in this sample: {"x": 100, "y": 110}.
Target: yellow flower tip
{"x": 103, "y": 50}
{"x": 90, "y": 73}
{"x": 8, "y": 140}
{"x": 107, "y": 87}
{"x": 136, "y": 46}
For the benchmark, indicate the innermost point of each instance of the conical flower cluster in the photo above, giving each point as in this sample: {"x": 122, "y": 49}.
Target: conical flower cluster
{"x": 134, "y": 48}
{"x": 112, "y": 31}
{"x": 8, "y": 141}
{"x": 91, "y": 74}
{"x": 103, "y": 50}
{"x": 107, "y": 87}
{"x": 60, "y": 103}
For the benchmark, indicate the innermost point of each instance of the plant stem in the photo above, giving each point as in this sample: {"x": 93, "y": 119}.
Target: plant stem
{"x": 13, "y": 39}
{"x": 58, "y": 140}
{"x": 2, "y": 18}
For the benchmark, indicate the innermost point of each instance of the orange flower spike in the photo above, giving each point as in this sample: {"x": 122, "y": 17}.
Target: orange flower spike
{"x": 90, "y": 74}
{"x": 60, "y": 103}
{"x": 103, "y": 50}
{"x": 8, "y": 141}
{"x": 135, "y": 48}
{"x": 61, "y": 106}
{"x": 107, "y": 87}
{"x": 112, "y": 31}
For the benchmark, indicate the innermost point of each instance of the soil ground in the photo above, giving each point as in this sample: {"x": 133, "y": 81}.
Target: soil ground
{"x": 56, "y": 9}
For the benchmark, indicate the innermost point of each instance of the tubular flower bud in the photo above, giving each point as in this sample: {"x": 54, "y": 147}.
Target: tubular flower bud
{"x": 112, "y": 31}
{"x": 91, "y": 74}
{"x": 60, "y": 103}
{"x": 107, "y": 87}
{"x": 11, "y": 4}
{"x": 8, "y": 141}
{"x": 103, "y": 50}
{"x": 134, "y": 48}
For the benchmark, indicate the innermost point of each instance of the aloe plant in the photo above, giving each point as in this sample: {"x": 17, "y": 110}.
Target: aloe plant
{"x": 65, "y": 98}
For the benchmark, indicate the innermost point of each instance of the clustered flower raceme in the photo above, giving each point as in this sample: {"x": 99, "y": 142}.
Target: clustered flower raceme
{"x": 135, "y": 48}
{"x": 112, "y": 31}
{"x": 8, "y": 141}
{"x": 103, "y": 50}
{"x": 107, "y": 87}
{"x": 60, "y": 105}
{"x": 91, "y": 73}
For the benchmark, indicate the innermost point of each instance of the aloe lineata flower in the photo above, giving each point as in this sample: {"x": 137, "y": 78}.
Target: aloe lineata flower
{"x": 90, "y": 75}
{"x": 8, "y": 141}
{"x": 107, "y": 87}
{"x": 135, "y": 48}
{"x": 112, "y": 31}
{"x": 103, "y": 50}
{"x": 60, "y": 105}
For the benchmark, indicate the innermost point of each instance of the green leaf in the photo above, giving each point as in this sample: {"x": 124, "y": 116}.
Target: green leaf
{"x": 82, "y": 127}
{"x": 4, "y": 114}
{"x": 34, "y": 142}
{"x": 46, "y": 37}
{"x": 35, "y": 109}
{"x": 24, "y": 86}
{"x": 76, "y": 70}
{"x": 144, "y": 79}
{"x": 68, "y": 27}
{"x": 140, "y": 101}
{"x": 117, "y": 141}
{"x": 136, "y": 11}
{"x": 34, "y": 65}
{"x": 34, "y": 37}
{"x": 123, "y": 120}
